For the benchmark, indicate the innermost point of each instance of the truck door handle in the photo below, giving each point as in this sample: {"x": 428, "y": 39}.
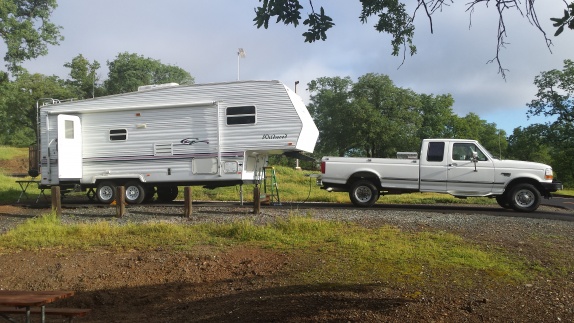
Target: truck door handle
{"x": 452, "y": 165}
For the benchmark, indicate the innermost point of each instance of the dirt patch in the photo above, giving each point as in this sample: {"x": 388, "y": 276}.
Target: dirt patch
{"x": 14, "y": 166}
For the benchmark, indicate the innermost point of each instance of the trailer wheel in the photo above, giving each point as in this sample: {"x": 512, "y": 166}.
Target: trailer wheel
{"x": 166, "y": 193}
{"x": 106, "y": 192}
{"x": 135, "y": 192}
{"x": 149, "y": 193}
{"x": 503, "y": 201}
{"x": 363, "y": 193}
{"x": 524, "y": 198}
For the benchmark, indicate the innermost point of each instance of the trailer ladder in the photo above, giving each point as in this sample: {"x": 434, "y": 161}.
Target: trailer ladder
{"x": 273, "y": 196}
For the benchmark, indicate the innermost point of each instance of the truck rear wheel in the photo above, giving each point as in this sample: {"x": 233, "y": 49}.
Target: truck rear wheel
{"x": 363, "y": 193}
{"x": 503, "y": 201}
{"x": 135, "y": 192}
{"x": 106, "y": 192}
{"x": 524, "y": 198}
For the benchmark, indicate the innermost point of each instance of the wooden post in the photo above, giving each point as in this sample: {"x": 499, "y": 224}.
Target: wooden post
{"x": 120, "y": 201}
{"x": 187, "y": 201}
{"x": 256, "y": 200}
{"x": 56, "y": 200}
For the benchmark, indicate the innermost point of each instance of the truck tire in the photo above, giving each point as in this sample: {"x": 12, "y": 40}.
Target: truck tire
{"x": 503, "y": 201}
{"x": 363, "y": 193}
{"x": 135, "y": 192}
{"x": 166, "y": 193}
{"x": 106, "y": 192}
{"x": 524, "y": 198}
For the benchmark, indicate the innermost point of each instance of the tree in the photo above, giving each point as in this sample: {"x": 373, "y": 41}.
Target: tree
{"x": 530, "y": 143}
{"x": 394, "y": 19}
{"x": 26, "y": 29}
{"x": 392, "y": 116}
{"x": 437, "y": 115}
{"x": 18, "y": 105}
{"x": 555, "y": 96}
{"x": 128, "y": 71}
{"x": 472, "y": 127}
{"x": 333, "y": 111}
{"x": 83, "y": 77}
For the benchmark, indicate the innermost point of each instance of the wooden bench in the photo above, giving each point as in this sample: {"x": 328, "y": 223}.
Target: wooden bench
{"x": 69, "y": 313}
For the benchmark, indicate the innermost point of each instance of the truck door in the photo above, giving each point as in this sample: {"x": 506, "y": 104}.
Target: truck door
{"x": 69, "y": 147}
{"x": 465, "y": 177}
{"x": 433, "y": 167}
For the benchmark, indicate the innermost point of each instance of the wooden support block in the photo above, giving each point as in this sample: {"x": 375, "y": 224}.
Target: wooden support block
{"x": 256, "y": 200}
{"x": 56, "y": 200}
{"x": 187, "y": 199}
{"x": 120, "y": 201}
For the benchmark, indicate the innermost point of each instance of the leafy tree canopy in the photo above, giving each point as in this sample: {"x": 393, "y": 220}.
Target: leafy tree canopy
{"x": 26, "y": 29}
{"x": 128, "y": 71}
{"x": 83, "y": 77}
{"x": 373, "y": 117}
{"x": 394, "y": 18}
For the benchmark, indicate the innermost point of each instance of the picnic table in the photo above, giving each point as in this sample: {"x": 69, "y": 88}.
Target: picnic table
{"x": 28, "y": 302}
{"x": 24, "y": 184}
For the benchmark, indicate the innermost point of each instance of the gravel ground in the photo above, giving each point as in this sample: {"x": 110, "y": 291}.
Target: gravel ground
{"x": 473, "y": 223}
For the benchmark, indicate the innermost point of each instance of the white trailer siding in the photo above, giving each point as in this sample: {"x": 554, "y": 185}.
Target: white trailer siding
{"x": 181, "y": 134}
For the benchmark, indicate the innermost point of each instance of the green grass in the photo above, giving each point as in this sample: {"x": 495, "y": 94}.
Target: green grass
{"x": 7, "y": 152}
{"x": 333, "y": 251}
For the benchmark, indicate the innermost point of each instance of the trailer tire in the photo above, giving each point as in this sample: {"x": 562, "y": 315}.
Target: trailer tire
{"x": 524, "y": 198}
{"x": 135, "y": 192}
{"x": 363, "y": 193}
{"x": 166, "y": 193}
{"x": 106, "y": 192}
{"x": 149, "y": 193}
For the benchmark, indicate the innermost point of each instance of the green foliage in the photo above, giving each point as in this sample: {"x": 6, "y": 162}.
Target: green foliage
{"x": 26, "y": 29}
{"x": 566, "y": 21}
{"x": 83, "y": 77}
{"x": 394, "y": 20}
{"x": 375, "y": 118}
{"x": 555, "y": 98}
{"x": 18, "y": 105}
{"x": 128, "y": 71}
{"x": 348, "y": 252}
{"x": 530, "y": 144}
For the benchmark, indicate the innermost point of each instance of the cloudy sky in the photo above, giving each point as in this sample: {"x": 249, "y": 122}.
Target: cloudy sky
{"x": 203, "y": 37}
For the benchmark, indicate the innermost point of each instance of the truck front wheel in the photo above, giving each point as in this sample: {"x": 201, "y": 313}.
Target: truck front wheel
{"x": 363, "y": 193}
{"x": 524, "y": 198}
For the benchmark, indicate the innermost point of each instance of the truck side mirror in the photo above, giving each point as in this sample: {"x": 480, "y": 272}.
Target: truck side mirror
{"x": 475, "y": 159}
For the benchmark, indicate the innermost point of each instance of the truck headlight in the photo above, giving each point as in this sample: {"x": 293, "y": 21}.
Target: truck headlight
{"x": 548, "y": 175}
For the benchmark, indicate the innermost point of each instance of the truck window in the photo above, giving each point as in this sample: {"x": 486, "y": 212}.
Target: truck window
{"x": 435, "y": 151}
{"x": 464, "y": 151}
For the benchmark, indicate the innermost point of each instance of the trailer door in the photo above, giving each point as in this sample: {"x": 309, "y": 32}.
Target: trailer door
{"x": 69, "y": 147}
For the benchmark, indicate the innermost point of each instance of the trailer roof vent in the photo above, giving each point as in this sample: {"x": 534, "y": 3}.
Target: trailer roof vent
{"x": 155, "y": 86}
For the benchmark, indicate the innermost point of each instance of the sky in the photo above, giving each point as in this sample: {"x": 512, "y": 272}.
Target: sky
{"x": 203, "y": 37}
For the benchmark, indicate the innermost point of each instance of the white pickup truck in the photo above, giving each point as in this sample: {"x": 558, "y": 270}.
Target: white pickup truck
{"x": 458, "y": 167}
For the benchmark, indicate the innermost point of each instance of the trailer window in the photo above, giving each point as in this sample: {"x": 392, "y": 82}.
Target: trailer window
{"x": 435, "y": 151}
{"x": 69, "y": 129}
{"x": 240, "y": 115}
{"x": 118, "y": 134}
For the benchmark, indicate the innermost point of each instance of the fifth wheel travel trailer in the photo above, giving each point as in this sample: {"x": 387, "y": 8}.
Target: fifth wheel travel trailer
{"x": 161, "y": 137}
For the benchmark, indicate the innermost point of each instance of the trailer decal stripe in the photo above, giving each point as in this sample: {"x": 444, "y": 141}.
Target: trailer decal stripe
{"x": 152, "y": 157}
